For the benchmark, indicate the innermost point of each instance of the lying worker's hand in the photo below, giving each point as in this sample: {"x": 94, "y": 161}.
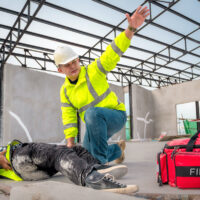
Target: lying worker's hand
{"x": 3, "y": 161}
{"x": 138, "y": 17}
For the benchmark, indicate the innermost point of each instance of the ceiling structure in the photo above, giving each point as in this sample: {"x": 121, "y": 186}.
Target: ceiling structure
{"x": 152, "y": 60}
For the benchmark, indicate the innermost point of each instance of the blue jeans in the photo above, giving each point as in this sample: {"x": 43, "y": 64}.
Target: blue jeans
{"x": 101, "y": 124}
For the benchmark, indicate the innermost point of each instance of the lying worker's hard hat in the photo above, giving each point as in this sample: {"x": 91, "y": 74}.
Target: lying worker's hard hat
{"x": 64, "y": 55}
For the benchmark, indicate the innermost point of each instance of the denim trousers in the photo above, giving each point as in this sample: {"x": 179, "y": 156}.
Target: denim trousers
{"x": 101, "y": 124}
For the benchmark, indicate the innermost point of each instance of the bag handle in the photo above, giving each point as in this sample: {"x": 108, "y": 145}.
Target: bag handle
{"x": 190, "y": 144}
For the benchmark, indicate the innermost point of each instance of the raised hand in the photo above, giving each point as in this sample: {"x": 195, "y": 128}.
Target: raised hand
{"x": 138, "y": 17}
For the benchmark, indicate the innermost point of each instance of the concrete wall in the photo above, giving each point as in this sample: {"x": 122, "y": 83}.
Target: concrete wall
{"x": 31, "y": 110}
{"x": 143, "y": 113}
{"x": 31, "y": 106}
{"x": 158, "y": 107}
{"x": 165, "y": 101}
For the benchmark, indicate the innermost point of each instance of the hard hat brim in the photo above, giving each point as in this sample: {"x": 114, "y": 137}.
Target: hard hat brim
{"x": 67, "y": 60}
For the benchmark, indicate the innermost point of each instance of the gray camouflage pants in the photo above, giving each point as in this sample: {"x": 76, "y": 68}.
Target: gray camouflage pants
{"x": 36, "y": 161}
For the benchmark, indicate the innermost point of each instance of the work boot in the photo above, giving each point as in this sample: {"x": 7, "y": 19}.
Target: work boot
{"x": 117, "y": 171}
{"x": 122, "y": 146}
{"x": 105, "y": 182}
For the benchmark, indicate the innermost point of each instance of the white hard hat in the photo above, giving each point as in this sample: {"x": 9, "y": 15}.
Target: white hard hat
{"x": 64, "y": 55}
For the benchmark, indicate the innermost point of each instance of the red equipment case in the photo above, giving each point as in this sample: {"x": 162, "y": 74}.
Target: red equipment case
{"x": 179, "y": 163}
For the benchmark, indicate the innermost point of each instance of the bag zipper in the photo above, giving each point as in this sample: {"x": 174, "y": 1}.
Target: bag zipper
{"x": 159, "y": 171}
{"x": 179, "y": 146}
{"x": 174, "y": 152}
{"x": 167, "y": 167}
{"x": 188, "y": 153}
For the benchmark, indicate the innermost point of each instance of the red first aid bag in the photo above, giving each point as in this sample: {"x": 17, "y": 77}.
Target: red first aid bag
{"x": 179, "y": 163}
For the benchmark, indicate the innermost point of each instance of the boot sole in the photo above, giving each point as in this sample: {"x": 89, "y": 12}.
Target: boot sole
{"x": 117, "y": 171}
{"x": 128, "y": 190}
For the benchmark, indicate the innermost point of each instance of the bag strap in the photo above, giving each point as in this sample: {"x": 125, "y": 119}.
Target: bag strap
{"x": 190, "y": 144}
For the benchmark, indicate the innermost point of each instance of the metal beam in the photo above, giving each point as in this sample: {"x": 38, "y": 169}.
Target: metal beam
{"x": 176, "y": 13}
{"x": 197, "y": 114}
{"x": 149, "y": 21}
{"x": 87, "y": 47}
{"x": 107, "y": 24}
{"x": 91, "y": 35}
{"x": 85, "y": 58}
{"x": 139, "y": 72}
{"x": 159, "y": 26}
{"x": 17, "y": 24}
{"x": 47, "y": 22}
{"x": 131, "y": 109}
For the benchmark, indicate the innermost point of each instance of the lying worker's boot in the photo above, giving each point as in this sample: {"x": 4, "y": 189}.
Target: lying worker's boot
{"x": 105, "y": 182}
{"x": 122, "y": 146}
{"x": 117, "y": 171}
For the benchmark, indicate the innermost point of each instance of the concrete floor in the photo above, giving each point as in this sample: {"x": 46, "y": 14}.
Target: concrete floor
{"x": 141, "y": 162}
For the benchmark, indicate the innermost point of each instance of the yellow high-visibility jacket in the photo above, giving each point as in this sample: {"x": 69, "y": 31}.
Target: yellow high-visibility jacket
{"x": 10, "y": 174}
{"x": 92, "y": 88}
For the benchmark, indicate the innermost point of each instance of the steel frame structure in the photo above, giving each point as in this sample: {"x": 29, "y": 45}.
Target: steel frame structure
{"x": 126, "y": 74}
{"x": 146, "y": 73}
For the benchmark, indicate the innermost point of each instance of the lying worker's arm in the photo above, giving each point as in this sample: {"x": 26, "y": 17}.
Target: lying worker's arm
{"x": 3, "y": 161}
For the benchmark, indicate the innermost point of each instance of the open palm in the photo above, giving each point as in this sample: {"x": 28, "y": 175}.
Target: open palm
{"x": 138, "y": 17}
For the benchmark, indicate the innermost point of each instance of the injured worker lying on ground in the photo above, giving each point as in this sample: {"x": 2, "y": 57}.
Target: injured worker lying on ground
{"x": 37, "y": 161}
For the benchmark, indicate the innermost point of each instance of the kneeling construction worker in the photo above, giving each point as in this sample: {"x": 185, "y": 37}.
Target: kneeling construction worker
{"x": 87, "y": 92}
{"x": 37, "y": 161}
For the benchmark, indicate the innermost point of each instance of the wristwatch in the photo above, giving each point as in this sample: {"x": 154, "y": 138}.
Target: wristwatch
{"x": 132, "y": 29}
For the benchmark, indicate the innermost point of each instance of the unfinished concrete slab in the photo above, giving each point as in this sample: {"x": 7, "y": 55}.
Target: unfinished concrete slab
{"x": 142, "y": 168}
{"x": 142, "y": 165}
{"x": 56, "y": 190}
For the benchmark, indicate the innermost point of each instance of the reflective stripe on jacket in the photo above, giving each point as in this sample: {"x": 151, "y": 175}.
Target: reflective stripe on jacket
{"x": 10, "y": 174}
{"x": 92, "y": 88}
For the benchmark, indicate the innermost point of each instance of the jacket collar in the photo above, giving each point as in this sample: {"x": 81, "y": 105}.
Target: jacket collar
{"x": 81, "y": 78}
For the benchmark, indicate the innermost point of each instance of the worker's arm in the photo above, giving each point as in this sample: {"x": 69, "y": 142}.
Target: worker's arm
{"x": 69, "y": 119}
{"x": 111, "y": 56}
{"x": 71, "y": 142}
{"x": 70, "y": 126}
{"x": 3, "y": 161}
